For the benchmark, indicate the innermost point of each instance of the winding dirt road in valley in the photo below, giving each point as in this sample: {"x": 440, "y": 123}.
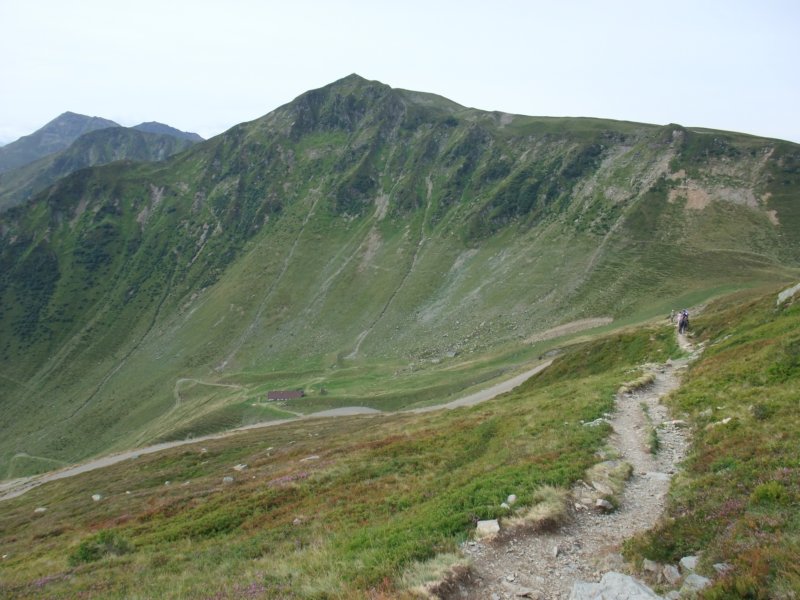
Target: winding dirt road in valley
{"x": 13, "y": 488}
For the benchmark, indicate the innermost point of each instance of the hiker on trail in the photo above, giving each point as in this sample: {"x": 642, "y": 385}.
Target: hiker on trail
{"x": 683, "y": 321}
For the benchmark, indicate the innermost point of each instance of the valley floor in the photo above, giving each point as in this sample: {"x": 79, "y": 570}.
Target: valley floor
{"x": 17, "y": 487}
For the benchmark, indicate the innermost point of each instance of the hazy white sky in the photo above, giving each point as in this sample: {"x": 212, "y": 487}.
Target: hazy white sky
{"x": 205, "y": 66}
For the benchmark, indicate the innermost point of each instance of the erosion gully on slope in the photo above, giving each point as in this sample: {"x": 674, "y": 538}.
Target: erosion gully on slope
{"x": 547, "y": 565}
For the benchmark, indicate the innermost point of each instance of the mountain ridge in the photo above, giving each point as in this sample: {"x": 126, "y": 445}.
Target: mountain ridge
{"x": 362, "y": 243}
{"x": 55, "y": 135}
{"x": 90, "y": 149}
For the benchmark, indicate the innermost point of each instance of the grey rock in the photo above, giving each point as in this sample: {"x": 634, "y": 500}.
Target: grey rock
{"x": 487, "y": 528}
{"x": 671, "y": 574}
{"x": 651, "y": 565}
{"x": 227, "y": 480}
{"x": 673, "y": 595}
{"x": 723, "y": 568}
{"x": 688, "y": 563}
{"x": 613, "y": 586}
{"x": 604, "y": 504}
{"x": 97, "y": 497}
{"x": 603, "y": 488}
{"x": 694, "y": 583}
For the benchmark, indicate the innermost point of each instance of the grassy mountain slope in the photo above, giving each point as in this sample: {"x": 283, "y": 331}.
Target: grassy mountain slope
{"x": 95, "y": 148}
{"x": 365, "y": 507}
{"x": 57, "y": 135}
{"x": 372, "y": 246}
{"x": 337, "y": 509}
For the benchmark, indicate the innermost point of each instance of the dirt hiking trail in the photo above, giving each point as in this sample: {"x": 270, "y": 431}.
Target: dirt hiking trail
{"x": 546, "y": 565}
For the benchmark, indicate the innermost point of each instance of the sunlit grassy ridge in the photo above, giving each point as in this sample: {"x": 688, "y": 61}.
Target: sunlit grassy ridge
{"x": 738, "y": 500}
{"x": 325, "y": 508}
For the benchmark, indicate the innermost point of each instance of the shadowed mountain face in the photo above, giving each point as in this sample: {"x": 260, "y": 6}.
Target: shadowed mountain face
{"x": 160, "y": 128}
{"x": 94, "y": 148}
{"x": 363, "y": 230}
{"x": 57, "y": 135}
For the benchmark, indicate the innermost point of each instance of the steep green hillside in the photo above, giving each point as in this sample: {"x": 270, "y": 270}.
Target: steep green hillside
{"x": 363, "y": 507}
{"x": 372, "y": 246}
{"x": 57, "y": 135}
{"x": 95, "y": 148}
{"x": 340, "y": 508}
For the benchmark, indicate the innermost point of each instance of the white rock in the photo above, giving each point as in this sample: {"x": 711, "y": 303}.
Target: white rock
{"x": 511, "y": 500}
{"x": 97, "y": 497}
{"x": 240, "y": 467}
{"x": 39, "y": 509}
{"x": 505, "y": 505}
{"x": 787, "y": 294}
{"x": 487, "y": 528}
{"x": 688, "y": 563}
{"x": 227, "y": 479}
{"x": 308, "y": 458}
{"x": 613, "y": 586}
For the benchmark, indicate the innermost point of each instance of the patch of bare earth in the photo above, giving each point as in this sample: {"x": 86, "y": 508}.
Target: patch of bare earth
{"x": 521, "y": 564}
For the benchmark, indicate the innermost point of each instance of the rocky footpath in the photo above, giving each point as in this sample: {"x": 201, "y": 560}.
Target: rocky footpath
{"x": 582, "y": 559}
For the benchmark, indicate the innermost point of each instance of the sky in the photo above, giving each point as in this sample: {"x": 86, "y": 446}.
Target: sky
{"x": 205, "y": 66}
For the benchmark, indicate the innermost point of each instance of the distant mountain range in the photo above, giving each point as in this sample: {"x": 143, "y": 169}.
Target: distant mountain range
{"x": 358, "y": 243}
{"x": 161, "y": 129}
{"x": 71, "y": 142}
{"x": 54, "y": 136}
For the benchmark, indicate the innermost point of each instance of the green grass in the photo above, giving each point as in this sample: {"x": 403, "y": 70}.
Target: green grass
{"x": 341, "y": 508}
{"x": 737, "y": 500}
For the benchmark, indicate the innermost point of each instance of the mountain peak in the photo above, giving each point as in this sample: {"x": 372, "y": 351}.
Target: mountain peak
{"x": 161, "y": 128}
{"x": 55, "y": 136}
